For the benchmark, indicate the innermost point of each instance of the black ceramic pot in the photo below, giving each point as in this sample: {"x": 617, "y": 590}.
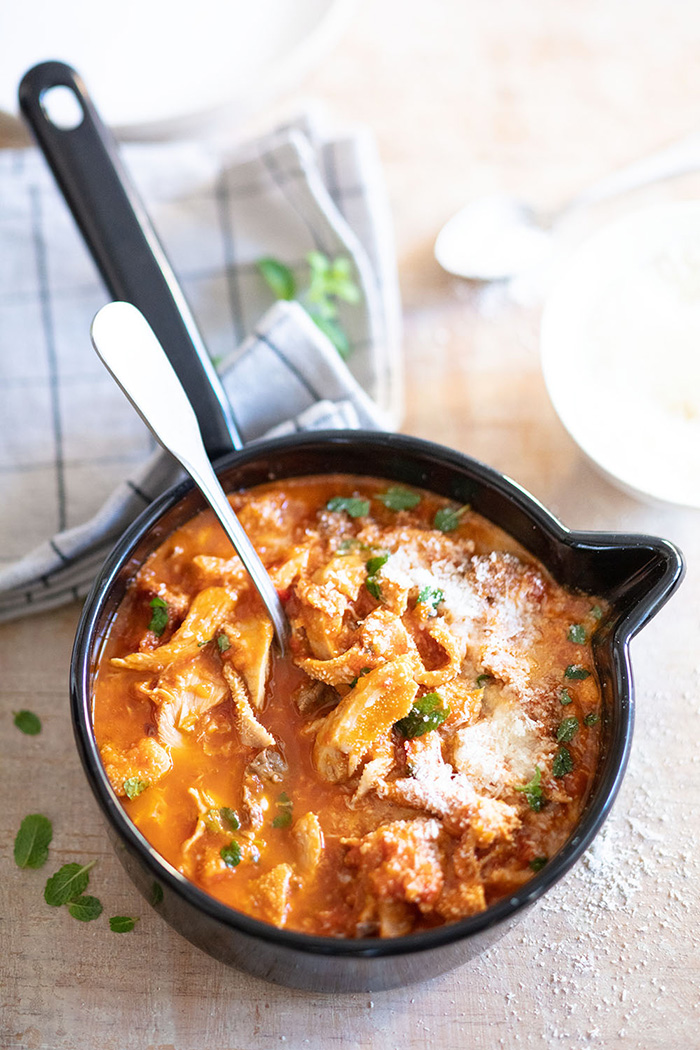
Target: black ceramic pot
{"x": 634, "y": 574}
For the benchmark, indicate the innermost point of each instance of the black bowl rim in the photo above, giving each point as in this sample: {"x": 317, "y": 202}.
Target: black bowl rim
{"x": 426, "y": 940}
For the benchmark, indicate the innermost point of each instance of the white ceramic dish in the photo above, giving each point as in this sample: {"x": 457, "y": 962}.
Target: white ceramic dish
{"x": 620, "y": 347}
{"x": 158, "y": 69}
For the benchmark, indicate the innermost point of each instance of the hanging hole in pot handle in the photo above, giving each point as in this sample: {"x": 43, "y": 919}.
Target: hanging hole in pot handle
{"x": 85, "y": 162}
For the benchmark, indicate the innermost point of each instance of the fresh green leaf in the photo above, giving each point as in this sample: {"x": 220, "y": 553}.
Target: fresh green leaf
{"x": 577, "y": 634}
{"x": 352, "y": 505}
{"x": 363, "y": 672}
{"x": 597, "y": 612}
{"x": 27, "y": 722}
{"x": 533, "y": 791}
{"x": 537, "y": 863}
{"x": 427, "y": 713}
{"x": 563, "y": 762}
{"x": 565, "y": 697}
{"x": 447, "y": 518}
{"x": 32, "y": 841}
{"x": 279, "y": 278}
{"x": 133, "y": 786}
{"x": 567, "y": 730}
{"x": 482, "y": 679}
{"x": 85, "y": 909}
{"x": 69, "y": 882}
{"x": 223, "y": 642}
{"x": 122, "y": 923}
{"x": 333, "y": 331}
{"x": 590, "y": 719}
{"x": 159, "y": 619}
{"x": 398, "y": 498}
{"x": 575, "y": 671}
{"x": 231, "y": 854}
{"x": 374, "y": 588}
{"x": 431, "y": 596}
{"x": 373, "y": 565}
{"x": 285, "y": 807}
{"x": 229, "y": 818}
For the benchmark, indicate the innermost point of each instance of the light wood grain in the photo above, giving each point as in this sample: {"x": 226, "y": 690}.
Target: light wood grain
{"x": 464, "y": 98}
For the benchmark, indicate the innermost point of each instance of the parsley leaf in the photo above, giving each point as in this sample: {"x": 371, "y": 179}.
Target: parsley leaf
{"x": 563, "y": 762}
{"x": 284, "y": 815}
{"x": 482, "y": 679}
{"x": 278, "y": 277}
{"x": 577, "y": 634}
{"x": 222, "y": 642}
{"x": 537, "y": 863}
{"x": 373, "y": 565}
{"x": 27, "y": 722}
{"x": 398, "y": 498}
{"x": 567, "y": 730}
{"x": 590, "y": 719}
{"x": 159, "y": 619}
{"x": 352, "y": 505}
{"x": 447, "y": 518}
{"x": 427, "y": 713}
{"x": 133, "y": 786}
{"x": 85, "y": 909}
{"x": 597, "y": 612}
{"x": 69, "y": 882}
{"x": 122, "y": 923}
{"x": 372, "y": 585}
{"x": 431, "y": 596}
{"x": 533, "y": 791}
{"x": 231, "y": 854}
{"x": 32, "y": 841}
{"x": 576, "y": 671}
{"x": 565, "y": 697}
{"x": 229, "y": 817}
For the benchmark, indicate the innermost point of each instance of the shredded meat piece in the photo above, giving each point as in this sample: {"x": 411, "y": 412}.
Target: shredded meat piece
{"x": 401, "y": 862}
{"x": 253, "y": 734}
{"x": 269, "y": 765}
{"x": 186, "y": 690}
{"x": 308, "y": 838}
{"x": 146, "y": 761}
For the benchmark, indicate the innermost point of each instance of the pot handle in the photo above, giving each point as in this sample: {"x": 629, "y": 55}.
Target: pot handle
{"x": 83, "y": 156}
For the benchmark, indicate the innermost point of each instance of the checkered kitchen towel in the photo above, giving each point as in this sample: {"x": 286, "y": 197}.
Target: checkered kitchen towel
{"x": 76, "y": 463}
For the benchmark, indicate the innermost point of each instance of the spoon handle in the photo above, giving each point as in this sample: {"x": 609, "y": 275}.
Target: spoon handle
{"x": 130, "y": 351}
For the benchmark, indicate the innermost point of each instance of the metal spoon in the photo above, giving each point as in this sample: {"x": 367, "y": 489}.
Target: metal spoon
{"x": 500, "y": 236}
{"x": 129, "y": 349}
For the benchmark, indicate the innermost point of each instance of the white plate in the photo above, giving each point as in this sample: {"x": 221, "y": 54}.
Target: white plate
{"x": 620, "y": 349}
{"x": 156, "y": 68}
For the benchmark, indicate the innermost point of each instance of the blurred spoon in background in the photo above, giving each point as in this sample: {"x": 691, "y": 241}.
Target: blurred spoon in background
{"x": 500, "y": 236}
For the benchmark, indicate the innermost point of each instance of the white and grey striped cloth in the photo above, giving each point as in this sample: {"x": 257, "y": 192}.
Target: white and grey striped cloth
{"x": 76, "y": 463}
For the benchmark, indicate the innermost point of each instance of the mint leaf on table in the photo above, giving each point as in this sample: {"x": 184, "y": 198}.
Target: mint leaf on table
{"x": 27, "y": 722}
{"x": 67, "y": 884}
{"x": 32, "y": 841}
{"x": 85, "y": 909}
{"x": 122, "y": 923}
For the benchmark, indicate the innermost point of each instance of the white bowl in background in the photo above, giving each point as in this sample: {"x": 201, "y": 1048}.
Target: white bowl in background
{"x": 158, "y": 69}
{"x": 620, "y": 346}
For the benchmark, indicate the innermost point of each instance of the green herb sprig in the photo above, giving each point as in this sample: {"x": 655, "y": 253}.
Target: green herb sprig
{"x": 431, "y": 597}
{"x": 397, "y": 498}
{"x": 427, "y": 713}
{"x": 159, "y": 617}
{"x": 533, "y": 791}
{"x": 285, "y": 808}
{"x": 352, "y": 505}
{"x": 447, "y": 519}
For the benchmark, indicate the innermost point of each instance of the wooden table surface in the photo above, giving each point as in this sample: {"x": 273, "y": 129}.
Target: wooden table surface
{"x": 464, "y": 98}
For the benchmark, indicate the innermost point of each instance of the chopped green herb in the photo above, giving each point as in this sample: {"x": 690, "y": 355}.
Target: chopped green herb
{"x": 156, "y": 893}
{"x": 85, "y": 909}
{"x": 122, "y": 923}
{"x": 447, "y": 518}
{"x": 284, "y": 814}
{"x": 206, "y": 641}
{"x": 348, "y": 546}
{"x": 563, "y": 762}
{"x": 67, "y": 884}
{"x": 372, "y": 585}
{"x": 397, "y": 498}
{"x": 427, "y": 713}
{"x": 229, "y": 818}
{"x": 331, "y": 278}
{"x": 32, "y": 841}
{"x": 231, "y": 854}
{"x": 567, "y": 730}
{"x": 537, "y": 863}
{"x": 533, "y": 791}
{"x": 159, "y": 619}
{"x": 133, "y": 786}
{"x": 27, "y": 722}
{"x": 577, "y": 634}
{"x": 576, "y": 671}
{"x": 363, "y": 672}
{"x": 590, "y": 719}
{"x": 223, "y": 642}
{"x": 597, "y": 612}
{"x": 278, "y": 277}
{"x": 373, "y": 565}
{"x": 482, "y": 680}
{"x": 352, "y": 505}
{"x": 431, "y": 596}
{"x": 565, "y": 697}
